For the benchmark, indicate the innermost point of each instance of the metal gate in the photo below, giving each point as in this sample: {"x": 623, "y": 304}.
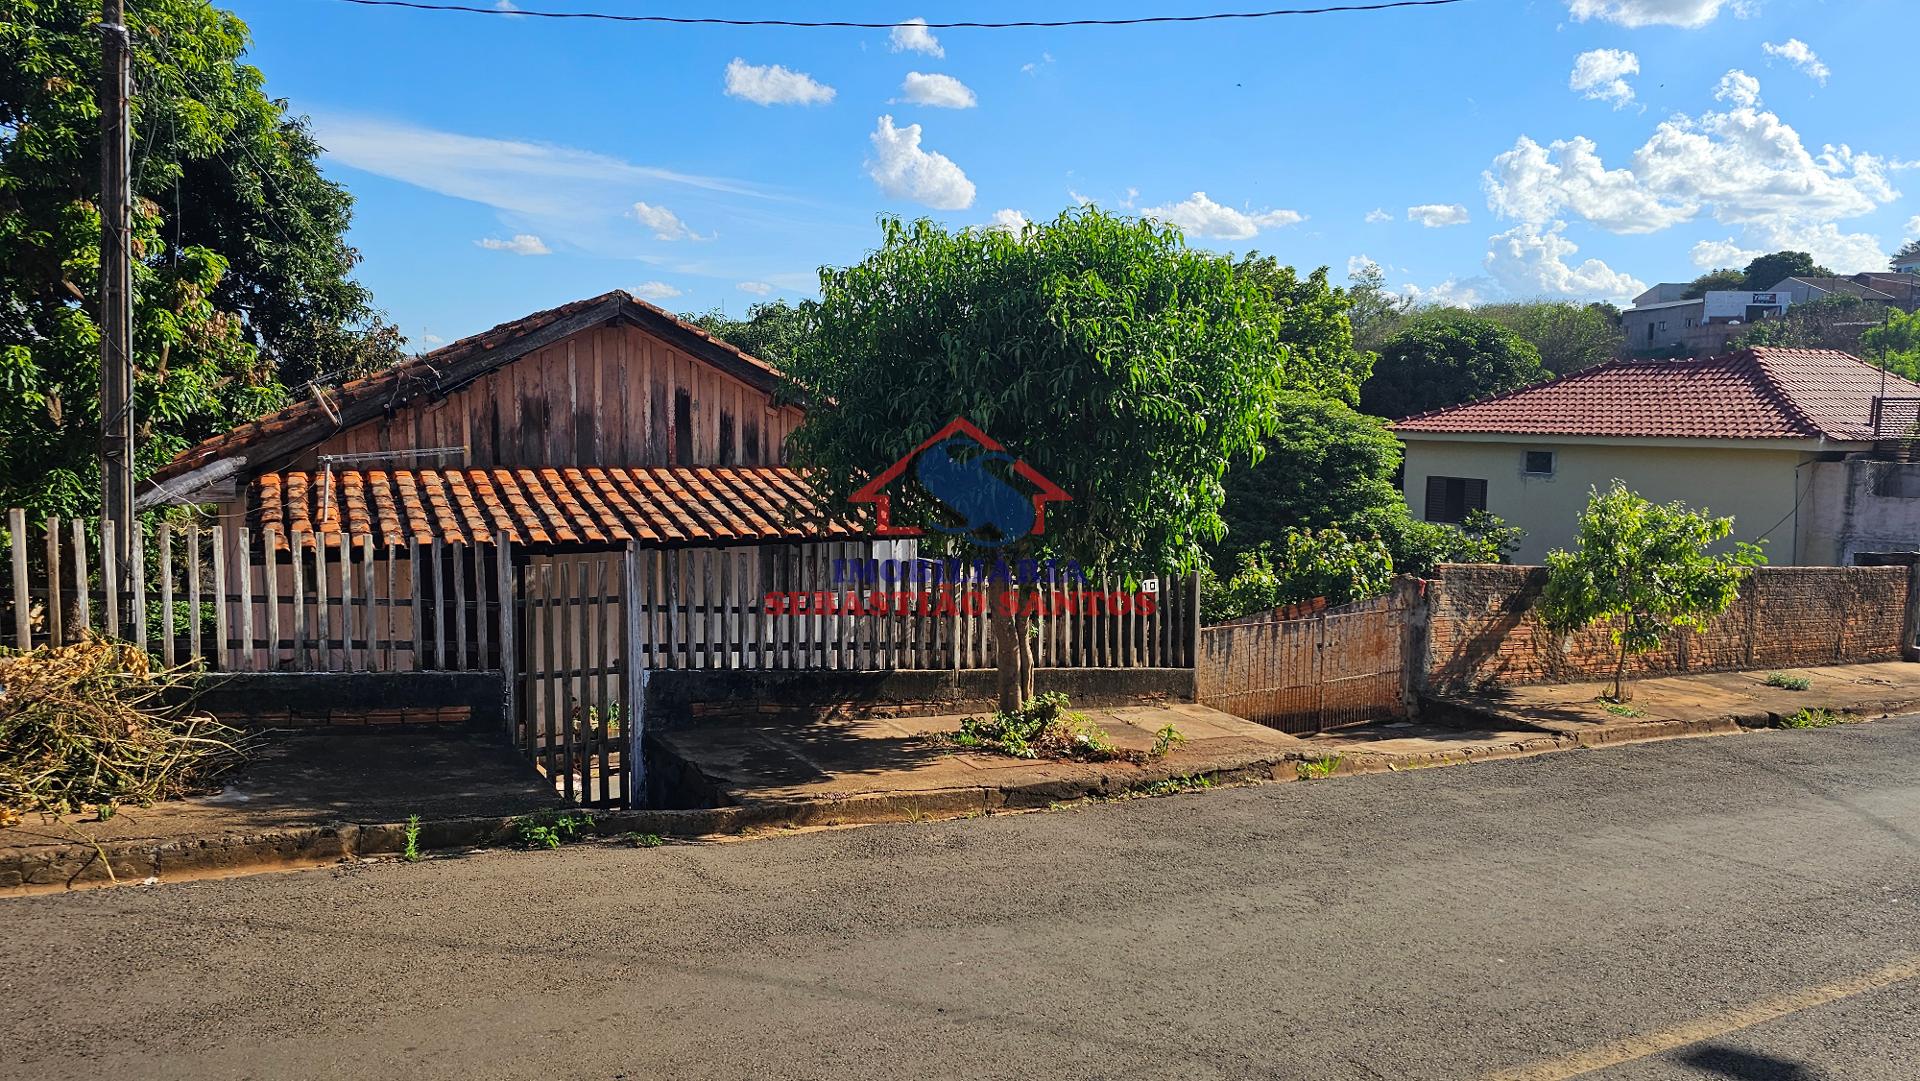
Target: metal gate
{"x": 1340, "y": 666}
{"x": 574, "y": 688}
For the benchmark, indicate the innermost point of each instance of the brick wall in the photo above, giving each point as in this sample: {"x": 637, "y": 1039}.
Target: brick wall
{"x": 1482, "y": 628}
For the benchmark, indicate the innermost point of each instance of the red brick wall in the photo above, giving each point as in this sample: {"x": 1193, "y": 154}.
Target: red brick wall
{"x": 1482, "y": 628}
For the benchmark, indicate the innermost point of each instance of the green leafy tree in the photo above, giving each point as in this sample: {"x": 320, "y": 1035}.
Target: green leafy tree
{"x": 1568, "y": 336}
{"x": 1374, "y": 313}
{"x": 1324, "y": 464}
{"x": 1909, "y": 250}
{"x": 1646, "y": 568}
{"x": 771, "y": 331}
{"x": 1444, "y": 358}
{"x": 1834, "y": 322}
{"x": 1124, "y": 365}
{"x": 1895, "y": 344}
{"x": 1771, "y": 269}
{"x": 1302, "y": 565}
{"x": 1418, "y": 546}
{"x": 1314, "y": 323}
{"x": 242, "y": 269}
{"x": 1724, "y": 278}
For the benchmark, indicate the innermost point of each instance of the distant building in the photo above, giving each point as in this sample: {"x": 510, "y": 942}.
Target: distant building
{"x": 1805, "y": 290}
{"x": 1702, "y": 325}
{"x": 1804, "y": 447}
{"x": 1908, "y": 264}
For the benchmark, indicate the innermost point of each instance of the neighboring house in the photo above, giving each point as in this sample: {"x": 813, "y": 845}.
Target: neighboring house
{"x": 1795, "y": 444}
{"x": 1702, "y": 325}
{"x": 1805, "y": 290}
{"x": 1907, "y": 264}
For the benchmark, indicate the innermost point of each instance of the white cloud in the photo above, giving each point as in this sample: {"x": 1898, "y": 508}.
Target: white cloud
{"x": 905, "y": 171}
{"x": 1199, "y": 216}
{"x": 1032, "y": 66}
{"x": 939, "y": 91}
{"x": 1438, "y": 215}
{"x": 1800, "y": 55}
{"x": 758, "y": 289}
{"x": 1600, "y": 75}
{"x": 913, "y": 36}
{"x": 432, "y": 339}
{"x": 507, "y": 5}
{"x": 1527, "y": 261}
{"x": 1007, "y": 221}
{"x": 1739, "y": 89}
{"x": 1846, "y": 253}
{"x": 1743, "y": 165}
{"x": 539, "y": 180}
{"x": 1358, "y": 263}
{"x": 1634, "y": 13}
{"x": 1378, "y": 215}
{"x": 1452, "y": 293}
{"x": 1709, "y": 254}
{"x": 1913, "y": 225}
{"x": 666, "y": 225}
{"x": 655, "y": 290}
{"x": 772, "y": 84}
{"x": 520, "y": 244}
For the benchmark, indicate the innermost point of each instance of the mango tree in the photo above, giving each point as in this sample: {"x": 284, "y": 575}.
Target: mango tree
{"x": 1105, "y": 353}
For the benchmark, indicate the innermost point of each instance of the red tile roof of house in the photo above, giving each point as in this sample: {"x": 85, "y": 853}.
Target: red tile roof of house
{"x": 1760, "y": 393}
{"x": 311, "y": 420}
{"x": 658, "y": 507}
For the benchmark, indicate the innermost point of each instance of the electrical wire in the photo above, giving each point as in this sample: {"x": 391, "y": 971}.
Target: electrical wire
{"x": 1024, "y": 24}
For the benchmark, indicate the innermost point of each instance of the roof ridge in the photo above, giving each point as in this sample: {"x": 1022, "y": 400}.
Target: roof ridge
{"x": 1770, "y": 385}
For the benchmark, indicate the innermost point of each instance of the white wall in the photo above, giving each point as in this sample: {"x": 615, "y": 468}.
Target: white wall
{"x": 1756, "y": 486}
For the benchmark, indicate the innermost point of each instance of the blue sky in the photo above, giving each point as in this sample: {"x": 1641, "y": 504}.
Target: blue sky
{"x": 1490, "y": 149}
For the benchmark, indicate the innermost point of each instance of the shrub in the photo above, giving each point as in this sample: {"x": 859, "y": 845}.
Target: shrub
{"x": 1043, "y": 728}
{"x": 93, "y": 724}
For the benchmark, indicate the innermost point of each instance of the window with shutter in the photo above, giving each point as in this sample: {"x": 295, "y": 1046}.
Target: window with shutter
{"x": 1450, "y": 498}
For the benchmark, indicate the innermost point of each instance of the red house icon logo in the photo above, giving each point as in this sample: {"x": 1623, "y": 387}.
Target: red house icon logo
{"x": 955, "y": 468}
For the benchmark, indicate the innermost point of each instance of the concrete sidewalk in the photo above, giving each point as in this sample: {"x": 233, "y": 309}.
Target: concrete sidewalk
{"x": 1705, "y": 704}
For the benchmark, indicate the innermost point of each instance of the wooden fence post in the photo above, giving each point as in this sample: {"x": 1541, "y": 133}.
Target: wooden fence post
{"x": 503, "y": 569}
{"x": 168, "y": 647}
{"x": 110, "y": 577}
{"x": 80, "y": 578}
{"x": 22, "y": 601}
{"x": 56, "y": 596}
{"x": 634, "y": 784}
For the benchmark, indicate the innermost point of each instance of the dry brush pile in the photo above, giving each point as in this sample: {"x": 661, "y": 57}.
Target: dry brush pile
{"x": 96, "y": 723}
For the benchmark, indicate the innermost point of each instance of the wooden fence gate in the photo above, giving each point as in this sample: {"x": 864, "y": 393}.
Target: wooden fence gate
{"x": 570, "y": 649}
{"x": 1339, "y": 666}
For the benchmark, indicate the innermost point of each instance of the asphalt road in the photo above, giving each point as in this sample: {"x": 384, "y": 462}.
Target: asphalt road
{"x": 1740, "y": 907}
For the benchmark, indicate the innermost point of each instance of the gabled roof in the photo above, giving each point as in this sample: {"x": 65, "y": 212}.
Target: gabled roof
{"x": 659, "y": 507}
{"x": 1760, "y": 393}
{"x": 1846, "y": 286}
{"x": 278, "y": 436}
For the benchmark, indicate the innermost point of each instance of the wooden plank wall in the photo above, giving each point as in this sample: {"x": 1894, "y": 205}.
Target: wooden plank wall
{"x": 606, "y": 396}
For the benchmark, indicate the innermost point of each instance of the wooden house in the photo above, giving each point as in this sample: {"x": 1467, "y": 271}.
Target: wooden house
{"x": 571, "y": 499}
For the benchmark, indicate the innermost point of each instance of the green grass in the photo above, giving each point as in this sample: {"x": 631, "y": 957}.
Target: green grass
{"x": 1620, "y": 709}
{"x": 1788, "y": 683}
{"x": 1815, "y": 717}
{"x": 1189, "y": 782}
{"x": 1043, "y": 728}
{"x": 1312, "y": 769}
{"x": 645, "y": 840}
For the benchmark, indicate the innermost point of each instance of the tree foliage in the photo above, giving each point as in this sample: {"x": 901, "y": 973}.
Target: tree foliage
{"x": 1314, "y": 324}
{"x": 1909, "y": 250}
{"x": 1771, "y": 269}
{"x": 1303, "y": 564}
{"x": 1324, "y": 464}
{"x": 771, "y": 331}
{"x": 1646, "y": 568}
{"x": 1895, "y": 344}
{"x": 1833, "y": 322}
{"x": 1374, "y": 313}
{"x": 1444, "y": 358}
{"x": 1724, "y": 278}
{"x": 1568, "y": 336}
{"x": 1124, "y": 365}
{"x": 242, "y": 268}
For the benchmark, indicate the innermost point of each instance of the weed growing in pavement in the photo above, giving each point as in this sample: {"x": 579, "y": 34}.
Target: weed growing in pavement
{"x": 644, "y": 840}
{"x": 1189, "y": 782}
{"x": 550, "y": 830}
{"x": 410, "y": 844}
{"x": 1166, "y": 740}
{"x": 1788, "y": 683}
{"x": 1619, "y": 709}
{"x": 1814, "y": 717}
{"x": 1311, "y": 769}
{"x": 1043, "y": 728}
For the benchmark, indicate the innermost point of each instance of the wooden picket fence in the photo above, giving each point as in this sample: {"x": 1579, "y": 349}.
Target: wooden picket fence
{"x": 238, "y": 600}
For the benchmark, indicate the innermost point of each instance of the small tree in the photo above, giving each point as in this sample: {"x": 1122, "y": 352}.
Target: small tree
{"x": 1122, "y": 364}
{"x": 1646, "y": 567}
{"x": 1773, "y": 268}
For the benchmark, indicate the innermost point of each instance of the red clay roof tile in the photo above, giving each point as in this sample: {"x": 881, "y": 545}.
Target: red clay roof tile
{"x": 1761, "y": 393}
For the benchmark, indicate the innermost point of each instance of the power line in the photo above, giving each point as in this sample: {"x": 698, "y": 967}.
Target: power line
{"x": 1036, "y": 24}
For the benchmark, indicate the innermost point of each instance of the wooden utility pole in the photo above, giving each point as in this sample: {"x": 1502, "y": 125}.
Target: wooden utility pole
{"x": 116, "y": 283}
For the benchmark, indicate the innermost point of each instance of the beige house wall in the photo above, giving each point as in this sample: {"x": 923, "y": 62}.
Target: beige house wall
{"x": 1756, "y": 484}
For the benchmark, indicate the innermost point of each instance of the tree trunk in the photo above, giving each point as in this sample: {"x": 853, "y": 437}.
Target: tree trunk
{"x": 1013, "y": 652}
{"x": 1620, "y": 690}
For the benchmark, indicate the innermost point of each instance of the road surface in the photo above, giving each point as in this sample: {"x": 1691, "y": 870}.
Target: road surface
{"x": 1739, "y": 907}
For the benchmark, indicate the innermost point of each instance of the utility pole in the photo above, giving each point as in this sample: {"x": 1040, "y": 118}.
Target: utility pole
{"x": 116, "y": 284}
